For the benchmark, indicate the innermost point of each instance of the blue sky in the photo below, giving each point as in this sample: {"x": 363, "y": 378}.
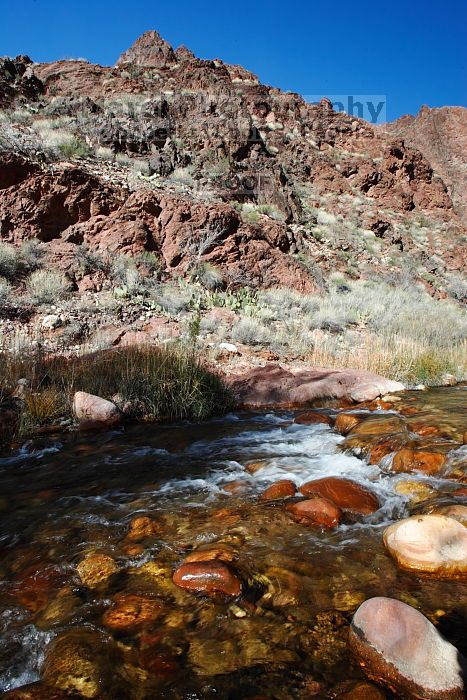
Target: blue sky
{"x": 413, "y": 52}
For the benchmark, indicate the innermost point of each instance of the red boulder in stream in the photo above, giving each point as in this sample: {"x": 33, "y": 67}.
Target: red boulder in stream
{"x": 207, "y": 577}
{"x": 346, "y": 494}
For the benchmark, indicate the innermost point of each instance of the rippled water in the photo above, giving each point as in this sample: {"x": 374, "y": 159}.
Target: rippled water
{"x": 64, "y": 496}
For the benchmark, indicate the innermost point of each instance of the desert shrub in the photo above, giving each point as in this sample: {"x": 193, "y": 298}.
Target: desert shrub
{"x": 174, "y": 299}
{"x": 74, "y": 149}
{"x": 31, "y": 255}
{"x": 47, "y": 286}
{"x": 250, "y": 332}
{"x": 122, "y": 159}
{"x": 208, "y": 275}
{"x": 457, "y": 287}
{"x": 89, "y": 261}
{"x": 5, "y": 291}
{"x": 125, "y": 274}
{"x": 150, "y": 262}
{"x": 141, "y": 167}
{"x": 8, "y": 260}
{"x": 104, "y": 153}
{"x": 270, "y": 210}
{"x": 183, "y": 176}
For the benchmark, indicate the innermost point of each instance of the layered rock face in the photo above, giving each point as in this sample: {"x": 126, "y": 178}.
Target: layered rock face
{"x": 284, "y": 190}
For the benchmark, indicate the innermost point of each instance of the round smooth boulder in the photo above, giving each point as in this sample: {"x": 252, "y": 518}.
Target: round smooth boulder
{"x": 396, "y": 645}
{"x": 316, "y": 511}
{"x": 87, "y": 407}
{"x": 208, "y": 577}
{"x": 346, "y": 494}
{"x": 432, "y": 544}
{"x": 281, "y": 489}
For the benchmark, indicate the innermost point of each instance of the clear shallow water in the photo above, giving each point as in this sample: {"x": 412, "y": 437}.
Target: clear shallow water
{"x": 67, "y": 495}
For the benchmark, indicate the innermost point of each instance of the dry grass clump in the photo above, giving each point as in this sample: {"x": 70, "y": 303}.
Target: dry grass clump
{"x": 47, "y": 286}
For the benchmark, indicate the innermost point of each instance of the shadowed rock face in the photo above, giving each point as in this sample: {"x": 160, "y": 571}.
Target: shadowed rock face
{"x": 397, "y": 645}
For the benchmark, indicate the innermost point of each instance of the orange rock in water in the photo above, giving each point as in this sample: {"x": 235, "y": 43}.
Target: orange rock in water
{"x": 96, "y": 568}
{"x": 142, "y": 527}
{"x": 130, "y": 611}
{"x": 38, "y": 691}
{"x": 407, "y": 460}
{"x": 345, "y": 422}
{"x": 346, "y": 494}
{"x": 316, "y": 511}
{"x": 281, "y": 489}
{"x": 207, "y": 577}
{"x": 424, "y": 429}
{"x": 312, "y": 417}
{"x": 219, "y": 552}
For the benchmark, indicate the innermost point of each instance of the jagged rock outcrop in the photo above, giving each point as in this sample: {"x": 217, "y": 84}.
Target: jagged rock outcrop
{"x": 441, "y": 135}
{"x": 150, "y": 49}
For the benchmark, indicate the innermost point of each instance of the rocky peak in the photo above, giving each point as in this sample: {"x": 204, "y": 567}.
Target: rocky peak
{"x": 150, "y": 49}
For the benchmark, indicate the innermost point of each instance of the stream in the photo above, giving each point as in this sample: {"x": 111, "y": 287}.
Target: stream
{"x": 65, "y": 496}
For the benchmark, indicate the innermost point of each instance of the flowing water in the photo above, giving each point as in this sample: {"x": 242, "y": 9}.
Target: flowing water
{"x": 65, "y": 496}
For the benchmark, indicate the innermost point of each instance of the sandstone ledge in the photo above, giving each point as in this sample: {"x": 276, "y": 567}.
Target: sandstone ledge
{"x": 274, "y": 386}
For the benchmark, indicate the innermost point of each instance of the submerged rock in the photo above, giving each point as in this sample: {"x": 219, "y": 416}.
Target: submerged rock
{"x": 207, "y": 577}
{"x": 346, "y": 422}
{"x": 79, "y": 661}
{"x": 39, "y": 691}
{"x": 396, "y": 645}
{"x": 312, "y": 417}
{"x": 346, "y": 494}
{"x": 87, "y": 407}
{"x": 281, "y": 489}
{"x": 142, "y": 527}
{"x": 407, "y": 460}
{"x": 433, "y": 544}
{"x": 96, "y": 568}
{"x": 131, "y": 611}
{"x": 416, "y": 491}
{"x": 316, "y": 511}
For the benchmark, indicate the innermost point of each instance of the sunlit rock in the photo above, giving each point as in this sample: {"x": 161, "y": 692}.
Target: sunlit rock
{"x": 96, "y": 568}
{"x": 316, "y": 511}
{"x": 432, "y": 544}
{"x": 396, "y": 645}
{"x": 346, "y": 494}
{"x": 209, "y": 577}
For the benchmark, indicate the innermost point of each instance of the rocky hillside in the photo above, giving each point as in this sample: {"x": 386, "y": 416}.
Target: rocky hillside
{"x": 441, "y": 135}
{"x": 195, "y": 160}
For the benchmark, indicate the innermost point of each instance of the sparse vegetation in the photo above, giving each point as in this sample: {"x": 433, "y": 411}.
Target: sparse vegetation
{"x": 47, "y": 286}
{"x": 9, "y": 260}
{"x": 5, "y": 291}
